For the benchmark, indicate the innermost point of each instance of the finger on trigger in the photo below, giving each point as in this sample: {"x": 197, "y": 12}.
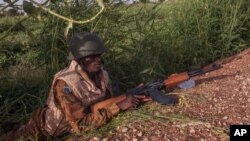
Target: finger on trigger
{"x": 139, "y": 96}
{"x": 140, "y": 85}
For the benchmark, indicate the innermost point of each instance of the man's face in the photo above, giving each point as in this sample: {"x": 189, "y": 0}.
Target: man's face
{"x": 92, "y": 62}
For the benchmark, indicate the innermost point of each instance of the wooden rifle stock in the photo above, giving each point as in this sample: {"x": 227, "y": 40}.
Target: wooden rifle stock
{"x": 105, "y": 103}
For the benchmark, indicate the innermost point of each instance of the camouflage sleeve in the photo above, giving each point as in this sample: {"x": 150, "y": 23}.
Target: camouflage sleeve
{"x": 92, "y": 121}
{"x": 69, "y": 104}
{"x": 74, "y": 111}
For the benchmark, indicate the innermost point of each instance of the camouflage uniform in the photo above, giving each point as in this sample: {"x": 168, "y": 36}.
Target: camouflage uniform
{"x": 68, "y": 106}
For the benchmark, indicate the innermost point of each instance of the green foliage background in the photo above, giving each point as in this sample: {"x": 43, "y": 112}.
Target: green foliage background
{"x": 144, "y": 41}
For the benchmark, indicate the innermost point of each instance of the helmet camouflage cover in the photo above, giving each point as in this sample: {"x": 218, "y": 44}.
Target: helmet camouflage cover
{"x": 84, "y": 44}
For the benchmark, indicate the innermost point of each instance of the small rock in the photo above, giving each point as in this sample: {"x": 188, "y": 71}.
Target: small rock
{"x": 134, "y": 130}
{"x": 157, "y": 114}
{"x": 110, "y": 132}
{"x": 105, "y": 139}
{"x": 124, "y": 129}
{"x": 117, "y": 128}
{"x": 127, "y": 137}
{"x": 192, "y": 130}
{"x": 139, "y": 134}
{"x": 248, "y": 80}
{"x": 157, "y": 132}
{"x": 248, "y": 100}
{"x": 244, "y": 83}
{"x": 215, "y": 100}
{"x": 237, "y": 76}
{"x": 135, "y": 139}
{"x": 96, "y": 139}
{"x": 225, "y": 117}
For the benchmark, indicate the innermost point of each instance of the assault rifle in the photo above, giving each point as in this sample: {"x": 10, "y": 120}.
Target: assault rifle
{"x": 152, "y": 89}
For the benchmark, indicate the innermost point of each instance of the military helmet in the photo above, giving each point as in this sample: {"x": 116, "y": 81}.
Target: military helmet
{"x": 84, "y": 44}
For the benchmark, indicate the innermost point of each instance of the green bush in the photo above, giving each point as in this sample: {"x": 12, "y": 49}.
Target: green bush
{"x": 153, "y": 40}
{"x": 7, "y": 22}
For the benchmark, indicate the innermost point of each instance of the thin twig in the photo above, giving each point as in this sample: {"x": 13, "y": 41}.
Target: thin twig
{"x": 66, "y": 18}
{"x": 9, "y": 5}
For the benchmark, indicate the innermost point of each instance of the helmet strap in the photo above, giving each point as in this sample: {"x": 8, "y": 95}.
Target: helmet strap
{"x": 82, "y": 65}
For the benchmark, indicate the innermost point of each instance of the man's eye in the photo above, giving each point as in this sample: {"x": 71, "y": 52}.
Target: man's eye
{"x": 88, "y": 59}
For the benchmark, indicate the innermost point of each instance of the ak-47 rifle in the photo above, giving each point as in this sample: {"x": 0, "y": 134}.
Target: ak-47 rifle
{"x": 152, "y": 89}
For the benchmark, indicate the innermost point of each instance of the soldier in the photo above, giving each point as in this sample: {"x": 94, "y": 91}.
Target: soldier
{"x": 74, "y": 90}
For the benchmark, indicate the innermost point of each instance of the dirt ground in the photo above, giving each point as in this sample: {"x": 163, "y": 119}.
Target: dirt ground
{"x": 205, "y": 112}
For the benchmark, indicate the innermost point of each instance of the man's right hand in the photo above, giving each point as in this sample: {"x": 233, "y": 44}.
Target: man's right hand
{"x": 131, "y": 101}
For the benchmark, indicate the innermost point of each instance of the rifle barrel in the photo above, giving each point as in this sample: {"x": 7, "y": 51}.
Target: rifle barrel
{"x": 203, "y": 71}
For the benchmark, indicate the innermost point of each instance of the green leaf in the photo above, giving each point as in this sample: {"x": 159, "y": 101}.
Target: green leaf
{"x": 53, "y": 1}
{"x": 29, "y": 8}
{"x": 148, "y": 70}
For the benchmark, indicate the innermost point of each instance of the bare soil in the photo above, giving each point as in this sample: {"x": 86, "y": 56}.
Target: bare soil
{"x": 205, "y": 112}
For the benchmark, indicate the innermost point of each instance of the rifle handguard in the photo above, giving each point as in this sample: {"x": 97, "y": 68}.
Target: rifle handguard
{"x": 176, "y": 79}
